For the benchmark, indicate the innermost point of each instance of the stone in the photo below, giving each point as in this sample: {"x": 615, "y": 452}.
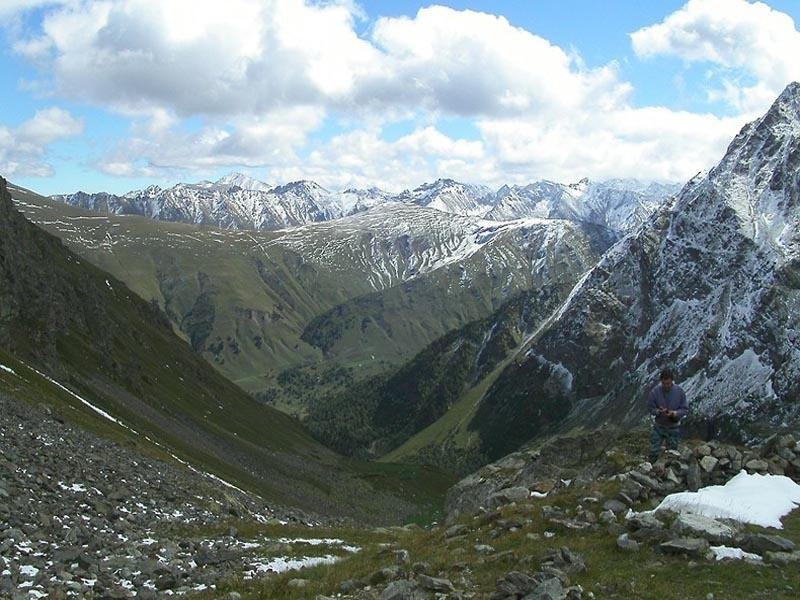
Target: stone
{"x": 691, "y": 547}
{"x": 402, "y": 557}
{"x": 402, "y": 589}
{"x": 760, "y": 543}
{"x": 515, "y": 585}
{"x": 691, "y": 525}
{"x": 507, "y": 496}
{"x": 627, "y": 544}
{"x": 645, "y": 480}
{"x": 384, "y": 575}
{"x": 566, "y": 560}
{"x": 298, "y": 583}
{"x": 782, "y": 559}
{"x": 549, "y": 589}
{"x": 615, "y": 506}
{"x": 484, "y": 549}
{"x": 693, "y": 479}
{"x": 455, "y": 531}
{"x": 757, "y": 465}
{"x": 708, "y": 463}
{"x": 607, "y": 516}
{"x": 703, "y": 450}
{"x": 632, "y": 488}
{"x": 435, "y": 584}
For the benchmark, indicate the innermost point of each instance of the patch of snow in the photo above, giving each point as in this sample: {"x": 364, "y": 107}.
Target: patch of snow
{"x": 7, "y": 369}
{"x": 756, "y": 499}
{"x": 723, "y": 552}
{"x": 28, "y": 570}
{"x": 74, "y": 487}
{"x": 282, "y": 564}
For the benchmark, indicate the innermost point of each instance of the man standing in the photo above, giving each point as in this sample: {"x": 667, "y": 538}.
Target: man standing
{"x": 667, "y": 403}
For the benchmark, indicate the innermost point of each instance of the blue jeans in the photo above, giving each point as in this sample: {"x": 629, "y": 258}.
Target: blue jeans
{"x": 661, "y": 434}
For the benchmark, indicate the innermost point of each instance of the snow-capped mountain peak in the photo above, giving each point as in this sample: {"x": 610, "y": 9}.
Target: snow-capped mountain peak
{"x": 245, "y": 182}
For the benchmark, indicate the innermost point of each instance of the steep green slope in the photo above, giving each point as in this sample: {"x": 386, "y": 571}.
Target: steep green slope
{"x": 87, "y": 331}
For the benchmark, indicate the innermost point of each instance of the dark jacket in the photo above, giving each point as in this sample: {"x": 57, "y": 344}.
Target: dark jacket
{"x": 674, "y": 400}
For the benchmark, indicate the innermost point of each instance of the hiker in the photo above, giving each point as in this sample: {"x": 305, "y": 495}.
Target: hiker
{"x": 667, "y": 403}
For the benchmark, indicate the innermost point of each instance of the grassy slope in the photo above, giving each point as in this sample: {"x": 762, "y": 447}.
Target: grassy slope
{"x": 256, "y": 308}
{"x": 99, "y": 339}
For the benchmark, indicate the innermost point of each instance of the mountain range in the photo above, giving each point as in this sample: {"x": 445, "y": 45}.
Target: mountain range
{"x": 237, "y": 201}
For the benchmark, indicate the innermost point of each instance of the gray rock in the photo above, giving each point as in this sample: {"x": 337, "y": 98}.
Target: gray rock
{"x": 435, "y": 584}
{"x": 385, "y": 574}
{"x": 782, "y": 559}
{"x": 548, "y": 589}
{"x": 645, "y": 480}
{"x": 693, "y": 479}
{"x": 515, "y": 585}
{"x": 507, "y": 496}
{"x": 760, "y": 543}
{"x": 627, "y": 544}
{"x": 350, "y": 585}
{"x": 565, "y": 560}
{"x": 455, "y": 531}
{"x": 691, "y": 525}
{"x": 757, "y": 465}
{"x": 484, "y": 549}
{"x": 607, "y": 516}
{"x": 692, "y": 547}
{"x": 615, "y": 506}
{"x": 708, "y": 463}
{"x": 402, "y": 590}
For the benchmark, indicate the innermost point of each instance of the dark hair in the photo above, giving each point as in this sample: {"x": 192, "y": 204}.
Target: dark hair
{"x": 666, "y": 374}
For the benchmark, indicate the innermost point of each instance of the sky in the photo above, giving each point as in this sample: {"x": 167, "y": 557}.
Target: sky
{"x": 115, "y": 95}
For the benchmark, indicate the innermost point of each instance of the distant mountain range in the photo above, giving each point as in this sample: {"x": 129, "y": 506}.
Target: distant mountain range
{"x": 239, "y": 202}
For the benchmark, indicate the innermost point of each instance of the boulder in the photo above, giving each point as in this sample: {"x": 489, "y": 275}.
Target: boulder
{"x": 761, "y": 543}
{"x": 624, "y": 542}
{"x": 507, "y": 496}
{"x": 691, "y": 525}
{"x": 708, "y": 463}
{"x": 692, "y": 547}
{"x": 402, "y": 590}
{"x": 435, "y": 584}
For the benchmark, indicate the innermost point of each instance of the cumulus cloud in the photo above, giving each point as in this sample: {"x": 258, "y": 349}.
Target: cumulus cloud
{"x": 160, "y": 144}
{"x": 736, "y": 35}
{"x": 23, "y": 148}
{"x": 665, "y": 144}
{"x": 363, "y": 158}
{"x": 257, "y": 79}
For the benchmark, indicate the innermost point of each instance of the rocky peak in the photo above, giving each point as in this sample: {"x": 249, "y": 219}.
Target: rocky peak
{"x": 245, "y": 182}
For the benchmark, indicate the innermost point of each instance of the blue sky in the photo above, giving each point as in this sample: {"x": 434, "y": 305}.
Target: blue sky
{"x": 120, "y": 94}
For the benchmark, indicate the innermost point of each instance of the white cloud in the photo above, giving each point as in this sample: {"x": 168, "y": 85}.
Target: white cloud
{"x": 653, "y": 143}
{"x": 734, "y": 34}
{"x": 23, "y": 148}
{"x": 363, "y": 159}
{"x": 159, "y": 144}
{"x": 259, "y": 77}
{"x": 472, "y": 63}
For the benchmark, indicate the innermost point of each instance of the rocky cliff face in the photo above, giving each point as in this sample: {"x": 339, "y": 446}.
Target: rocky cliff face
{"x": 708, "y": 285}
